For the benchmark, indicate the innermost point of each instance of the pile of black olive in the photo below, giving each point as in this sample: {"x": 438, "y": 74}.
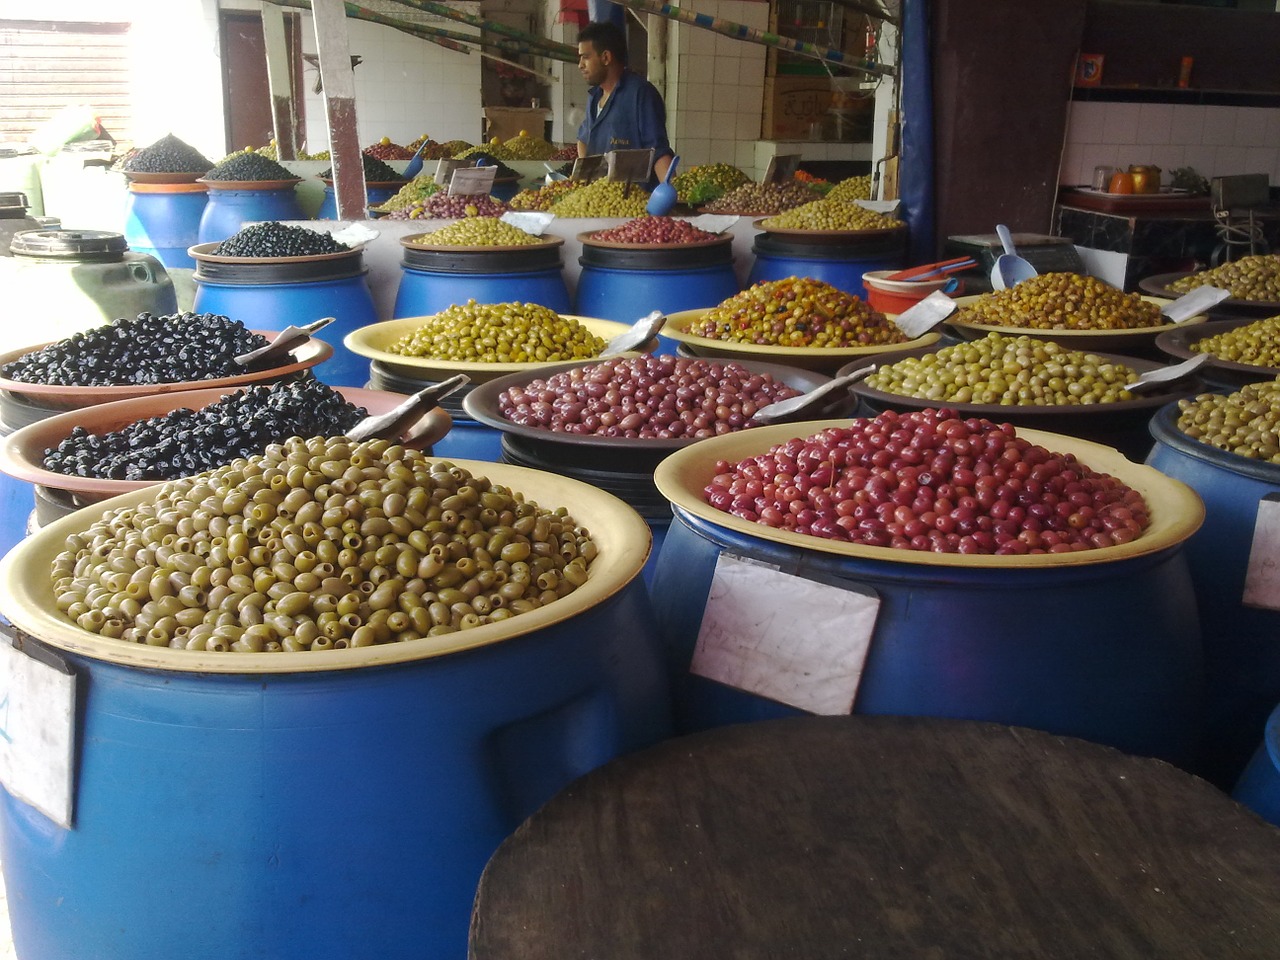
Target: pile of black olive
{"x": 249, "y": 165}
{"x": 375, "y": 171}
{"x": 186, "y": 442}
{"x": 168, "y": 155}
{"x": 170, "y": 349}
{"x": 275, "y": 239}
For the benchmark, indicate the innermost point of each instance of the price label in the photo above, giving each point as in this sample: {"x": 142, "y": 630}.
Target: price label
{"x": 921, "y": 317}
{"x": 630, "y": 166}
{"x": 782, "y": 168}
{"x": 445, "y": 168}
{"x": 714, "y": 222}
{"x": 470, "y": 181}
{"x": 586, "y": 169}
{"x": 808, "y": 653}
{"x": 889, "y": 207}
{"x": 1262, "y": 575}
{"x": 530, "y": 221}
{"x": 37, "y": 728}
{"x": 1194, "y": 303}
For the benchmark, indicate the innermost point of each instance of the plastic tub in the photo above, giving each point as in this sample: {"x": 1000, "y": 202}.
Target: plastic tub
{"x": 436, "y": 277}
{"x": 321, "y": 805}
{"x": 233, "y": 203}
{"x": 895, "y": 296}
{"x": 1259, "y": 785}
{"x": 840, "y": 258}
{"x": 1100, "y": 644}
{"x": 163, "y": 220}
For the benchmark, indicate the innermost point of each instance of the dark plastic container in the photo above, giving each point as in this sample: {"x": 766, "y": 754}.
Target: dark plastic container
{"x": 163, "y": 219}
{"x": 1259, "y": 786}
{"x": 840, "y": 264}
{"x": 434, "y": 280}
{"x": 1241, "y": 643}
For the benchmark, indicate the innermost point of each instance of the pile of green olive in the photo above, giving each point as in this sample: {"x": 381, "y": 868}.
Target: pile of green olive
{"x": 853, "y": 188}
{"x": 1062, "y": 301}
{"x": 828, "y": 214}
{"x": 1008, "y": 371}
{"x": 1246, "y": 422}
{"x": 413, "y": 192}
{"x": 545, "y": 197}
{"x": 499, "y": 333}
{"x": 479, "y": 232}
{"x": 1255, "y": 277}
{"x": 602, "y": 198}
{"x": 797, "y": 312}
{"x": 706, "y": 182}
{"x": 1257, "y": 344}
{"x": 317, "y": 545}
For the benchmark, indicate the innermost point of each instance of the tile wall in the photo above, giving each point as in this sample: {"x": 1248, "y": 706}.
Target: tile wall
{"x": 1215, "y": 140}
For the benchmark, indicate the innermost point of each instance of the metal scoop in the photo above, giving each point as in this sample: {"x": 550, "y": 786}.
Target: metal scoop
{"x": 391, "y": 425}
{"x": 289, "y": 338}
{"x": 664, "y": 195}
{"x": 640, "y": 332}
{"x": 795, "y": 408}
{"x": 1010, "y": 269}
{"x": 1163, "y": 375}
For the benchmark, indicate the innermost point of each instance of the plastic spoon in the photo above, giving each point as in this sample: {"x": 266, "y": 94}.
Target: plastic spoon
{"x": 1163, "y": 375}
{"x": 642, "y": 331}
{"x": 798, "y": 407}
{"x": 414, "y": 166}
{"x": 390, "y": 425}
{"x": 285, "y": 342}
{"x": 664, "y": 196}
{"x": 1010, "y": 269}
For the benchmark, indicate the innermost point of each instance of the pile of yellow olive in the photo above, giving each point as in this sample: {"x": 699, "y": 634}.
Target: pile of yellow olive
{"x": 1246, "y": 423}
{"x": 1062, "y": 301}
{"x": 1257, "y": 344}
{"x": 499, "y": 333}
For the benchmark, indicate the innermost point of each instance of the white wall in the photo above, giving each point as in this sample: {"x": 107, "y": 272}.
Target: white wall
{"x": 1216, "y": 141}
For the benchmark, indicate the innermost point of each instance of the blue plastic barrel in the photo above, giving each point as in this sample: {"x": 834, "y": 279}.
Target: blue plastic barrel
{"x": 163, "y": 220}
{"x": 624, "y": 284}
{"x": 1107, "y": 651}
{"x": 376, "y": 194}
{"x": 299, "y": 811}
{"x": 840, "y": 264}
{"x": 1259, "y": 785}
{"x": 230, "y": 208}
{"x": 434, "y": 280}
{"x": 267, "y": 295}
{"x": 1241, "y": 643}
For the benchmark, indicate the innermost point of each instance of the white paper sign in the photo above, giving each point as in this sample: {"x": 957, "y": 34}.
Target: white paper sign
{"x": 355, "y": 234}
{"x": 880, "y": 206}
{"x": 37, "y": 733}
{"x": 713, "y": 222}
{"x": 530, "y": 221}
{"x": 807, "y": 651}
{"x": 1194, "y": 303}
{"x": 1262, "y": 576}
{"x": 921, "y": 317}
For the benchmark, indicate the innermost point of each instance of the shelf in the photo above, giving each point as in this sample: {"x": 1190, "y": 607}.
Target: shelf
{"x": 1213, "y": 98}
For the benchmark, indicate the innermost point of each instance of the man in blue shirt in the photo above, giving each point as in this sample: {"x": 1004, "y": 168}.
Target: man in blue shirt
{"x": 624, "y": 110}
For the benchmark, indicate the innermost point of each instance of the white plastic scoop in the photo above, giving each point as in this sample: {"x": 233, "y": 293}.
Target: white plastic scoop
{"x": 1010, "y": 269}
{"x": 1163, "y": 375}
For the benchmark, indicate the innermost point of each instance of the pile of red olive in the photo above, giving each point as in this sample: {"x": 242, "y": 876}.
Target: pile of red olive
{"x": 656, "y": 397}
{"x": 930, "y": 481}
{"x": 649, "y": 229}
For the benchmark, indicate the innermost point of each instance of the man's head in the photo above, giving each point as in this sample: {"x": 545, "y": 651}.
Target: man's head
{"x": 602, "y": 52}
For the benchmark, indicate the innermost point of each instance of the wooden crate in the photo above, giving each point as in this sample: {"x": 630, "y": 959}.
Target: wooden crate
{"x": 793, "y": 104}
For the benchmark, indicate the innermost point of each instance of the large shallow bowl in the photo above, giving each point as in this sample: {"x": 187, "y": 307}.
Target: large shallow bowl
{"x": 1141, "y": 340}
{"x": 825, "y": 236}
{"x": 1175, "y": 509}
{"x": 1122, "y": 424}
{"x": 302, "y": 357}
{"x": 22, "y": 452}
{"x": 203, "y": 253}
{"x": 422, "y": 241}
{"x": 1220, "y": 372}
{"x": 822, "y": 359}
{"x": 588, "y": 239}
{"x": 1159, "y": 285}
{"x": 373, "y": 340}
{"x": 142, "y": 176}
{"x": 250, "y": 184}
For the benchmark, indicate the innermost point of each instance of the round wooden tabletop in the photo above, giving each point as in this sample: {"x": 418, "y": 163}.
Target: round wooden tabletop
{"x": 883, "y": 837}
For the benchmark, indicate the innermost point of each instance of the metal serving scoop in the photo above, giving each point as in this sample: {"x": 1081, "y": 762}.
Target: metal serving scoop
{"x": 640, "y": 332}
{"x": 795, "y": 408}
{"x": 1162, "y": 375}
{"x": 289, "y": 338}
{"x": 391, "y": 425}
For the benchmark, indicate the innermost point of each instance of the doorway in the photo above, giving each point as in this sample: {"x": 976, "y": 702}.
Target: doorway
{"x": 245, "y": 88}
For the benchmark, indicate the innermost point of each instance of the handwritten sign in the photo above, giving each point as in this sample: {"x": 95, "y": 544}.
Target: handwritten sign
{"x": 808, "y": 652}
{"x": 472, "y": 181}
{"x": 37, "y": 729}
{"x": 630, "y": 166}
{"x": 1262, "y": 575}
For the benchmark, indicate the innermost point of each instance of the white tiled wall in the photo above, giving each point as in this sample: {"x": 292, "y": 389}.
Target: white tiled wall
{"x": 717, "y": 99}
{"x": 1216, "y": 141}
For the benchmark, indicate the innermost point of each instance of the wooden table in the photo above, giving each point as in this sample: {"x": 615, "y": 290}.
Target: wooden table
{"x": 883, "y": 838}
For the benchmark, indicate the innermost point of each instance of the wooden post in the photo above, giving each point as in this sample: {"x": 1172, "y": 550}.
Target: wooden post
{"x": 340, "y": 106}
{"x": 280, "y": 81}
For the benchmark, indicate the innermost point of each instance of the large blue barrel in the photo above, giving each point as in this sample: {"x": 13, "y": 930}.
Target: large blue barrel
{"x": 234, "y": 203}
{"x": 299, "y": 810}
{"x": 163, "y": 219}
{"x": 435, "y": 279}
{"x": 1259, "y": 786}
{"x": 840, "y": 263}
{"x": 617, "y": 283}
{"x": 376, "y": 194}
{"x": 1241, "y": 643}
{"x": 272, "y": 294}
{"x": 1106, "y": 648}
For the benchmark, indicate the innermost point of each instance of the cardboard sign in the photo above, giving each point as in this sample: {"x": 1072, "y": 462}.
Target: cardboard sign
{"x": 1262, "y": 575}
{"x": 586, "y": 169}
{"x": 37, "y": 729}
{"x": 472, "y": 181}
{"x": 630, "y": 166}
{"x": 445, "y": 168}
{"x": 808, "y": 653}
{"x": 782, "y": 168}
